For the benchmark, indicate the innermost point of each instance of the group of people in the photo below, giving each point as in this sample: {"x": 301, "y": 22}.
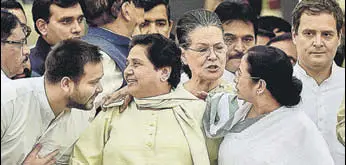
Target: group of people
{"x": 111, "y": 82}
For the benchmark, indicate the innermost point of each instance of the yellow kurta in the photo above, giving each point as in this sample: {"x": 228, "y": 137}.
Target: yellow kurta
{"x": 158, "y": 130}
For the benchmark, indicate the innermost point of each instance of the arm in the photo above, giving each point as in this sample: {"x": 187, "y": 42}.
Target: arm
{"x": 340, "y": 128}
{"x": 89, "y": 147}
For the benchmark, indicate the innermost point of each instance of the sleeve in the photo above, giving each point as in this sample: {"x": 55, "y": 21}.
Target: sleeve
{"x": 89, "y": 147}
{"x": 340, "y": 128}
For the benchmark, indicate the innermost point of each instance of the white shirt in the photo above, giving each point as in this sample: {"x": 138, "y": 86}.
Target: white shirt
{"x": 4, "y": 78}
{"x": 285, "y": 136}
{"x": 321, "y": 104}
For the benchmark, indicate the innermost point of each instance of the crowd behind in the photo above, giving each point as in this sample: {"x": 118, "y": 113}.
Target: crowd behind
{"x": 118, "y": 82}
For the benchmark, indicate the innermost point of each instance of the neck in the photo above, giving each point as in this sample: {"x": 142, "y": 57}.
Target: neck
{"x": 263, "y": 105}
{"x": 120, "y": 27}
{"x": 55, "y": 98}
{"x": 198, "y": 85}
{"x": 159, "y": 90}
{"x": 319, "y": 74}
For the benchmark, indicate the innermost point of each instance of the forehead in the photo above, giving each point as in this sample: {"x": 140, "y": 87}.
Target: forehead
{"x": 243, "y": 63}
{"x": 59, "y": 12}
{"x": 208, "y": 35}
{"x": 19, "y": 13}
{"x": 138, "y": 52}
{"x": 239, "y": 28}
{"x": 158, "y": 12}
{"x": 319, "y": 22}
{"x": 92, "y": 71}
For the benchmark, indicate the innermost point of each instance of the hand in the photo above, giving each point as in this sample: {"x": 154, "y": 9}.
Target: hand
{"x": 34, "y": 159}
{"x": 121, "y": 94}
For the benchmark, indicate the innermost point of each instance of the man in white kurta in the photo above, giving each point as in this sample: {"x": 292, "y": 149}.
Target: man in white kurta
{"x": 321, "y": 103}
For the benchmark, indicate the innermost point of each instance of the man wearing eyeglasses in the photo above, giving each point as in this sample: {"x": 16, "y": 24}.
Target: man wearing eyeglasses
{"x": 14, "y": 49}
{"x": 16, "y": 9}
{"x": 239, "y": 23}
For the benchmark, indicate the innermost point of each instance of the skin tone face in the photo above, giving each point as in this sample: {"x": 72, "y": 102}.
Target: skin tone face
{"x": 206, "y": 63}
{"x": 156, "y": 21}
{"x": 316, "y": 42}
{"x": 136, "y": 15}
{"x": 289, "y": 48}
{"x": 64, "y": 23}
{"x": 141, "y": 75}
{"x": 262, "y": 40}
{"x": 246, "y": 88}
{"x": 239, "y": 37}
{"x": 14, "y": 56}
{"x": 88, "y": 87}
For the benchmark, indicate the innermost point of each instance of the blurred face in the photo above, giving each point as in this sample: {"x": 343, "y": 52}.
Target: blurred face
{"x": 14, "y": 53}
{"x": 136, "y": 15}
{"x": 245, "y": 86}
{"x": 156, "y": 21}
{"x": 140, "y": 74}
{"x": 316, "y": 42}
{"x": 64, "y": 23}
{"x": 206, "y": 55}
{"x": 239, "y": 37}
{"x": 289, "y": 48}
{"x": 262, "y": 40}
{"x": 87, "y": 88}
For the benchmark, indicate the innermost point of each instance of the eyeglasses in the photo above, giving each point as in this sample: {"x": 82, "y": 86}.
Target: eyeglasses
{"x": 26, "y": 29}
{"x": 218, "y": 49}
{"x": 238, "y": 75}
{"x": 20, "y": 42}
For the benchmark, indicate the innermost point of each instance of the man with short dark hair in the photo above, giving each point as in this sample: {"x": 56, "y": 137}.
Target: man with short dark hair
{"x": 16, "y": 9}
{"x": 54, "y": 20}
{"x": 14, "y": 49}
{"x": 285, "y": 43}
{"x": 157, "y": 19}
{"x": 239, "y": 23}
{"x": 317, "y": 34}
{"x": 37, "y": 111}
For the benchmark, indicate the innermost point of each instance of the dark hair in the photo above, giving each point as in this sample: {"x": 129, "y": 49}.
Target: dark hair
{"x": 162, "y": 52}
{"x": 68, "y": 58}
{"x": 189, "y": 22}
{"x": 274, "y": 67}
{"x": 41, "y": 9}
{"x": 100, "y": 12}
{"x": 11, "y": 4}
{"x": 155, "y": 3}
{"x": 269, "y": 23}
{"x": 8, "y": 23}
{"x": 230, "y": 11}
{"x": 283, "y": 37}
{"x": 315, "y": 7}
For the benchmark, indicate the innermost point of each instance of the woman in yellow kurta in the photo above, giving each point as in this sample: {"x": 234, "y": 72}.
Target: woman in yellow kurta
{"x": 159, "y": 126}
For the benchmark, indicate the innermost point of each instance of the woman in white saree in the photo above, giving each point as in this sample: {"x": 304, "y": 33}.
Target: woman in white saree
{"x": 267, "y": 129}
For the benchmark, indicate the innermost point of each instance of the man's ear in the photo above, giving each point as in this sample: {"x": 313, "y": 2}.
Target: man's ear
{"x": 42, "y": 26}
{"x": 294, "y": 35}
{"x": 125, "y": 11}
{"x": 183, "y": 56}
{"x": 66, "y": 84}
{"x": 165, "y": 73}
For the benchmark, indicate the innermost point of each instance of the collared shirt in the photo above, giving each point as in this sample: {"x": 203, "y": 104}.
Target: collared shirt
{"x": 27, "y": 119}
{"x": 25, "y": 116}
{"x": 321, "y": 103}
{"x": 38, "y": 55}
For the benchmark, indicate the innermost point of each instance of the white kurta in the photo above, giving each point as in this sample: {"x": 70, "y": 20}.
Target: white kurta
{"x": 321, "y": 103}
{"x": 286, "y": 136}
{"x": 4, "y": 78}
{"x": 27, "y": 119}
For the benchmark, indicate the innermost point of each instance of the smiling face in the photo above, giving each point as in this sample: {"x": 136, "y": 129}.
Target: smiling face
{"x": 239, "y": 37}
{"x": 206, "y": 55}
{"x": 316, "y": 42}
{"x": 88, "y": 87}
{"x": 141, "y": 75}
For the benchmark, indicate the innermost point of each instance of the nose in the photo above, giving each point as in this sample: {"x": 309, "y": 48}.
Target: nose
{"x": 318, "y": 41}
{"x": 239, "y": 46}
{"x": 152, "y": 29}
{"x": 212, "y": 55}
{"x": 128, "y": 71}
{"x": 25, "y": 50}
{"x": 77, "y": 27}
{"x": 99, "y": 88}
